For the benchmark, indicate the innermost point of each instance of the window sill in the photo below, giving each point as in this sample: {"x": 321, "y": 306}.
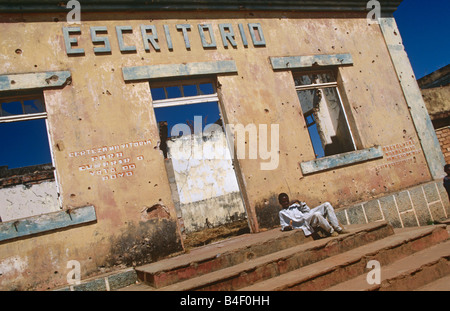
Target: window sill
{"x": 46, "y": 222}
{"x": 340, "y": 160}
{"x": 36, "y": 80}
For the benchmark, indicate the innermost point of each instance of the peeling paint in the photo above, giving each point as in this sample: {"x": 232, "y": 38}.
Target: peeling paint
{"x": 13, "y": 266}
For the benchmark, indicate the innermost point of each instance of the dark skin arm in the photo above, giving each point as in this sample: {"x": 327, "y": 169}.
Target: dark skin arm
{"x": 288, "y": 228}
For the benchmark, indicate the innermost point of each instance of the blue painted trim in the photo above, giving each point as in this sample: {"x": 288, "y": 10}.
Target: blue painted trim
{"x": 414, "y": 99}
{"x": 227, "y": 34}
{"x": 344, "y": 159}
{"x": 256, "y": 26}
{"x": 153, "y": 38}
{"x": 178, "y": 70}
{"x": 184, "y": 28}
{"x": 46, "y": 222}
{"x": 106, "y": 45}
{"x": 67, "y": 31}
{"x": 37, "y": 80}
{"x": 122, "y": 47}
{"x": 243, "y": 36}
{"x": 168, "y": 37}
{"x": 201, "y": 30}
{"x": 294, "y": 62}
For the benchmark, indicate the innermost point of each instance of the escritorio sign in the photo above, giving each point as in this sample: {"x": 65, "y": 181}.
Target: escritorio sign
{"x": 151, "y": 36}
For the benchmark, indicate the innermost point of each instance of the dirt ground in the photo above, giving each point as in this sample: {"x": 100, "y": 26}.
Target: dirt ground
{"x": 210, "y": 235}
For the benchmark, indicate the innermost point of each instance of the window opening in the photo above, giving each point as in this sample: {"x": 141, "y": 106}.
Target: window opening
{"x": 183, "y": 104}
{"x": 324, "y": 113}
{"x": 26, "y": 159}
{"x": 199, "y": 165}
{"x": 23, "y": 132}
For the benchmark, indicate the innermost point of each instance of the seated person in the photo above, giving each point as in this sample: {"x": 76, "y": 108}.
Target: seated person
{"x": 297, "y": 215}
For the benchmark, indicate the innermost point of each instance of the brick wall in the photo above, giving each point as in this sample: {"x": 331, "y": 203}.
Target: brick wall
{"x": 25, "y": 175}
{"x": 443, "y": 135}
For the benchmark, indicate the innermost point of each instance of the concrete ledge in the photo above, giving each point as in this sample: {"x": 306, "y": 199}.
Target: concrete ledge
{"x": 46, "y": 222}
{"x": 109, "y": 282}
{"x": 36, "y": 80}
{"x": 413, "y": 207}
{"x": 178, "y": 70}
{"x": 339, "y": 160}
{"x": 294, "y": 62}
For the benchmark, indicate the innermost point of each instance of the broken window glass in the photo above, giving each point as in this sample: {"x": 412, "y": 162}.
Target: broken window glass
{"x": 33, "y": 106}
{"x": 18, "y": 107}
{"x": 11, "y": 108}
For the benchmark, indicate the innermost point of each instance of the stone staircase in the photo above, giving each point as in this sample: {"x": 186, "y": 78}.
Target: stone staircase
{"x": 409, "y": 259}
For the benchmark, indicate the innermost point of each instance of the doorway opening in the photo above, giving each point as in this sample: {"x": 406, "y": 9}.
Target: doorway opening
{"x": 200, "y": 169}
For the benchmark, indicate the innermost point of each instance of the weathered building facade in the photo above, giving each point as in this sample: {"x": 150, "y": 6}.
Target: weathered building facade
{"x": 312, "y": 99}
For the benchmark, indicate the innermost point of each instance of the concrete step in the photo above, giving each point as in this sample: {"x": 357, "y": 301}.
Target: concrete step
{"x": 234, "y": 251}
{"x": 278, "y": 259}
{"x": 342, "y": 267}
{"x": 441, "y": 284}
{"x": 216, "y": 256}
{"x": 406, "y": 274}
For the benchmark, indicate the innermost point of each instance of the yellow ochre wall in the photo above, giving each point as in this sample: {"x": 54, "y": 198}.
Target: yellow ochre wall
{"x": 98, "y": 109}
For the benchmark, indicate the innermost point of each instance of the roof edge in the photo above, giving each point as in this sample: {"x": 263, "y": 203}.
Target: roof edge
{"x": 40, "y": 6}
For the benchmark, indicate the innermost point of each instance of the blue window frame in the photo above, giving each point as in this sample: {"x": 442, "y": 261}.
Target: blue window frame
{"x": 23, "y": 132}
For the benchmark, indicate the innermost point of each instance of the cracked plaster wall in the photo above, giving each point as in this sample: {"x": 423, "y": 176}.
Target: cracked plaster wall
{"x": 23, "y": 201}
{"x": 206, "y": 181}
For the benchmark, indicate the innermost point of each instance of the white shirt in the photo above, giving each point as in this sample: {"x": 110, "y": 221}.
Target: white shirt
{"x": 298, "y": 214}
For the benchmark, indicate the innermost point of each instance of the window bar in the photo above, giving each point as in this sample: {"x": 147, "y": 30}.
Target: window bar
{"x": 58, "y": 191}
{"x": 316, "y": 86}
{"x": 181, "y": 90}
{"x": 346, "y": 119}
{"x": 185, "y": 100}
{"x": 23, "y": 117}
{"x": 23, "y": 106}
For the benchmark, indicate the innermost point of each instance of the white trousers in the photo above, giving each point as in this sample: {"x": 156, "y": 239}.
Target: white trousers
{"x": 318, "y": 218}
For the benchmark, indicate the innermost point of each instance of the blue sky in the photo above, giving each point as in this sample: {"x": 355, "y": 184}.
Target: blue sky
{"x": 424, "y": 27}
